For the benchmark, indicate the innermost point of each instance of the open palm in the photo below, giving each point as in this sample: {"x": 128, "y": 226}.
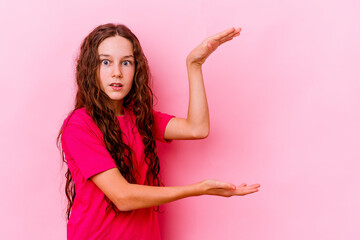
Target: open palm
{"x": 199, "y": 54}
{"x": 219, "y": 188}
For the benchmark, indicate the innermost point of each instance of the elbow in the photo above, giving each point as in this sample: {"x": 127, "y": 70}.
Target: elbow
{"x": 123, "y": 204}
{"x": 124, "y": 201}
{"x": 124, "y": 208}
{"x": 202, "y": 132}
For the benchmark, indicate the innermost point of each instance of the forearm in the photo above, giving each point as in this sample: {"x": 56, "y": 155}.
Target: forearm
{"x": 127, "y": 196}
{"x": 198, "y": 111}
{"x": 142, "y": 196}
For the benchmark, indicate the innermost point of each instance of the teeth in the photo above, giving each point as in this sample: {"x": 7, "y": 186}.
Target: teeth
{"x": 116, "y": 85}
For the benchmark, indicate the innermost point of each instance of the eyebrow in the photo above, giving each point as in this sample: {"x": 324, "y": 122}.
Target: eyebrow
{"x": 106, "y": 55}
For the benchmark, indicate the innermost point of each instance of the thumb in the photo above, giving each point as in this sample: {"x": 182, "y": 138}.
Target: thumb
{"x": 225, "y": 185}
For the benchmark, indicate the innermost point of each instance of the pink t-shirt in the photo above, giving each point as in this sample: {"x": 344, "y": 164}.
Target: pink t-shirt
{"x": 86, "y": 155}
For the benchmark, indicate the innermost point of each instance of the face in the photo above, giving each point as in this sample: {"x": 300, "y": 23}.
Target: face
{"x": 117, "y": 68}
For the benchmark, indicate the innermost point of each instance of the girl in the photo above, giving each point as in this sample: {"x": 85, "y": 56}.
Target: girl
{"x": 108, "y": 141}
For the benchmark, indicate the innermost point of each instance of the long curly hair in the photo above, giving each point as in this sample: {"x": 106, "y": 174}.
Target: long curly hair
{"x": 99, "y": 106}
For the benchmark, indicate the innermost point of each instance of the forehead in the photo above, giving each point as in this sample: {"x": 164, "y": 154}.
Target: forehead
{"x": 116, "y": 47}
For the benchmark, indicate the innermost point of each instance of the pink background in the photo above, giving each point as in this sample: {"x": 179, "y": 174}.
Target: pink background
{"x": 284, "y": 103}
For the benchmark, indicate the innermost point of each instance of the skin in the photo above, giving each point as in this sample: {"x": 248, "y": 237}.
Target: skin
{"x": 117, "y": 66}
{"x": 196, "y": 125}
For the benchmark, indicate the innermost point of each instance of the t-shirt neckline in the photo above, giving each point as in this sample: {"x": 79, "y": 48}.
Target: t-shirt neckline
{"x": 124, "y": 115}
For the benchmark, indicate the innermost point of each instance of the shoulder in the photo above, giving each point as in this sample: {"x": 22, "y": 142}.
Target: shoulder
{"x": 78, "y": 117}
{"x": 161, "y": 117}
{"x": 161, "y": 120}
{"x": 79, "y": 120}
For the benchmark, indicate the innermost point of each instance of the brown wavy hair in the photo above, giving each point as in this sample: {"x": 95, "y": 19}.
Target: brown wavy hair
{"x": 99, "y": 106}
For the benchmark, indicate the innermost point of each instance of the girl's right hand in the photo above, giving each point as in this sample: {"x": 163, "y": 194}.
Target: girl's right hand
{"x": 219, "y": 188}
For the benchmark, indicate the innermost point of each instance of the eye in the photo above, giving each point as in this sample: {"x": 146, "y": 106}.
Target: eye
{"x": 126, "y": 63}
{"x": 105, "y": 62}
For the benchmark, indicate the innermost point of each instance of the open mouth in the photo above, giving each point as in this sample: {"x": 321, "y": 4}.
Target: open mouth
{"x": 116, "y": 85}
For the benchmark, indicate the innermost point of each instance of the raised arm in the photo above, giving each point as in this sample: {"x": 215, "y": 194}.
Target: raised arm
{"x": 128, "y": 196}
{"x": 197, "y": 124}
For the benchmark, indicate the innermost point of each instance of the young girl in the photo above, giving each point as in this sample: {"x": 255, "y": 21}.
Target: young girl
{"x": 108, "y": 141}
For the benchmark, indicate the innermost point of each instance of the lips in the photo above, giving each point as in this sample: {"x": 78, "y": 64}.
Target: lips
{"x": 116, "y": 86}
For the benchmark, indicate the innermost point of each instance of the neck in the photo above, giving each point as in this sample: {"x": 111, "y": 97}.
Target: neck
{"x": 119, "y": 109}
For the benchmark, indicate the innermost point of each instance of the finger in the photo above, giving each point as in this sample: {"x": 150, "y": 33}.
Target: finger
{"x": 231, "y": 186}
{"x": 252, "y": 191}
{"x": 224, "y": 34}
{"x": 230, "y": 35}
{"x": 221, "y": 41}
{"x": 220, "y": 38}
{"x": 233, "y": 34}
{"x": 248, "y": 188}
{"x": 245, "y": 191}
{"x": 228, "y": 38}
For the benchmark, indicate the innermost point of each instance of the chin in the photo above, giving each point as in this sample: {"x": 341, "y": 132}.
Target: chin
{"x": 116, "y": 97}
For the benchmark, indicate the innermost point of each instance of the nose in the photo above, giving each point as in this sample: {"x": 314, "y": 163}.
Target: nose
{"x": 117, "y": 71}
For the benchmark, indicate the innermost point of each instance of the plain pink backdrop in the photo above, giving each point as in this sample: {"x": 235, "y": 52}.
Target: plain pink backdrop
{"x": 284, "y": 103}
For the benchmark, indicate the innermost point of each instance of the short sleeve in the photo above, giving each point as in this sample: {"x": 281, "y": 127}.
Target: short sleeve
{"x": 160, "y": 122}
{"x": 86, "y": 149}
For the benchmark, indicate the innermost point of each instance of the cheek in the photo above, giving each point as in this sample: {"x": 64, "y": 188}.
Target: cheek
{"x": 102, "y": 76}
{"x": 130, "y": 76}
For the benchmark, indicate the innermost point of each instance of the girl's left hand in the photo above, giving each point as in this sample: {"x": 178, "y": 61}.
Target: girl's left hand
{"x": 219, "y": 188}
{"x": 199, "y": 54}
